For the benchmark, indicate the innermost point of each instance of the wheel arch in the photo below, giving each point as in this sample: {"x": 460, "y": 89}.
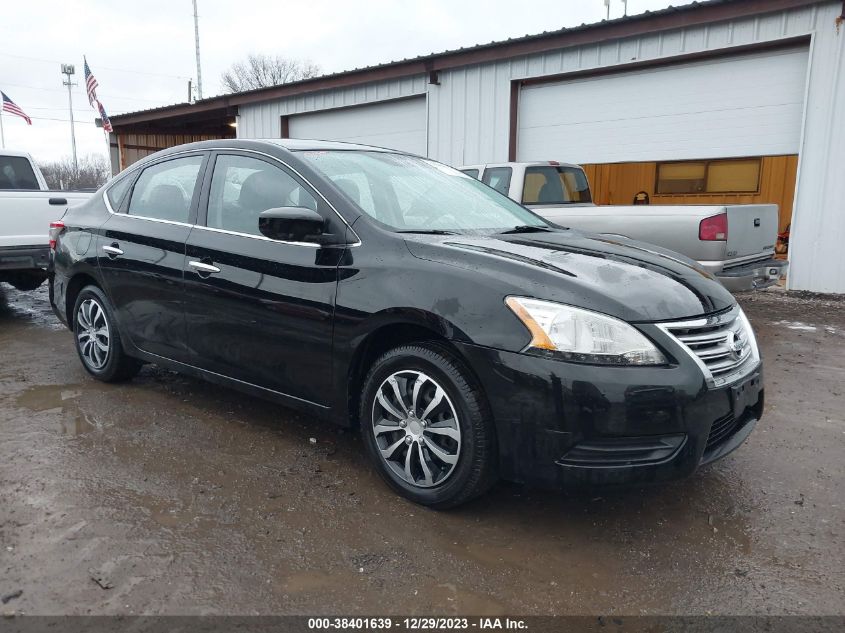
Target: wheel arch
{"x": 391, "y": 329}
{"x": 74, "y": 286}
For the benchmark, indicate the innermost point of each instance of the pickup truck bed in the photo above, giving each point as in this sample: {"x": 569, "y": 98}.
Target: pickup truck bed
{"x": 742, "y": 261}
{"x": 734, "y": 242}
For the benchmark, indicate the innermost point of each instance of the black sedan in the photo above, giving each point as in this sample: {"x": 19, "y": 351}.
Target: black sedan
{"x": 466, "y": 337}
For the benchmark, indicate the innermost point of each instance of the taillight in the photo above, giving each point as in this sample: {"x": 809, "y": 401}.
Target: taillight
{"x": 714, "y": 228}
{"x": 55, "y": 228}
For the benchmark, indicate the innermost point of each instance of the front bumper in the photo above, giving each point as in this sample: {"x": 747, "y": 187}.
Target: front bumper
{"x": 753, "y": 275}
{"x": 561, "y": 424}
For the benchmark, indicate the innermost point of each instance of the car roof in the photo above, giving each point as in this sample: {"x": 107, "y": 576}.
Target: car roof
{"x": 526, "y": 163}
{"x": 298, "y": 144}
{"x": 15, "y": 153}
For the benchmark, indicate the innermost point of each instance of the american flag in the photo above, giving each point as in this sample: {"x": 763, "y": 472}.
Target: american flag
{"x": 90, "y": 84}
{"x": 105, "y": 117}
{"x": 91, "y": 87}
{"x": 12, "y": 107}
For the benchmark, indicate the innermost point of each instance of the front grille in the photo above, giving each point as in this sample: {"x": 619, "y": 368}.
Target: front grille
{"x": 720, "y": 431}
{"x": 723, "y": 345}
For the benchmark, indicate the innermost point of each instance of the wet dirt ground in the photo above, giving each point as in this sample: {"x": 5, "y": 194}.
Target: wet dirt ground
{"x": 180, "y": 497}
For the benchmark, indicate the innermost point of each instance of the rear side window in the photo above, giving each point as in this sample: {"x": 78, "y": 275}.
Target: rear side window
{"x": 164, "y": 191}
{"x": 555, "y": 185}
{"x": 16, "y": 173}
{"x": 117, "y": 190}
{"x": 499, "y": 178}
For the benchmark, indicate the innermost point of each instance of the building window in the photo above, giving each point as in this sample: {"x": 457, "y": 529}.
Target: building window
{"x": 709, "y": 176}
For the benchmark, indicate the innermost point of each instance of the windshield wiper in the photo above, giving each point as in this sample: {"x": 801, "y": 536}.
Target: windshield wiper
{"x": 429, "y": 231}
{"x": 527, "y": 228}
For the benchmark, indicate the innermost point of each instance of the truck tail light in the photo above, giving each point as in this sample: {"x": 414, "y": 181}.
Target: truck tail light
{"x": 714, "y": 228}
{"x": 55, "y": 228}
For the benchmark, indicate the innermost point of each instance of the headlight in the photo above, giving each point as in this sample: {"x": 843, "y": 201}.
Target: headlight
{"x": 582, "y": 336}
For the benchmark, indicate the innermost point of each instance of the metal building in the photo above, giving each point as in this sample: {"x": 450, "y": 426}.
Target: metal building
{"x": 721, "y": 101}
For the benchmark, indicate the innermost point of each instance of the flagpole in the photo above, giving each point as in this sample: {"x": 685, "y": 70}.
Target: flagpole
{"x": 2, "y": 134}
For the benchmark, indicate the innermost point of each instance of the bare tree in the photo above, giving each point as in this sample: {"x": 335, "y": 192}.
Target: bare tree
{"x": 94, "y": 171}
{"x": 261, "y": 71}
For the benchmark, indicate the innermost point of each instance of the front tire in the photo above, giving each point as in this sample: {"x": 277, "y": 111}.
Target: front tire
{"x": 427, "y": 426}
{"x": 97, "y": 339}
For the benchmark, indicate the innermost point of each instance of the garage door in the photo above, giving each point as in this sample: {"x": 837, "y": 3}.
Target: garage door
{"x": 395, "y": 124}
{"x": 749, "y": 105}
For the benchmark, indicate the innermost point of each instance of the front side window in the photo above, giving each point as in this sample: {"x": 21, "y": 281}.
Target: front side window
{"x": 555, "y": 184}
{"x": 17, "y": 173}
{"x": 471, "y": 172}
{"x": 409, "y": 193}
{"x": 243, "y": 187}
{"x": 164, "y": 191}
{"x": 499, "y": 178}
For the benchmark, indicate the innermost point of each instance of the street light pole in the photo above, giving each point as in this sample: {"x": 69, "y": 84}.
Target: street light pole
{"x": 69, "y": 70}
{"x": 197, "y": 44}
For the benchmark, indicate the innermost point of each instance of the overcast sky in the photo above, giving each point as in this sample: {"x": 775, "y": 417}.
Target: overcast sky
{"x": 142, "y": 52}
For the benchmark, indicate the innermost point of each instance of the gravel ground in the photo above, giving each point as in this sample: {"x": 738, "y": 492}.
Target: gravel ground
{"x": 169, "y": 495}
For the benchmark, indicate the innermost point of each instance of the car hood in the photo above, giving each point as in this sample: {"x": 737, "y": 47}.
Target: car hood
{"x": 630, "y": 280}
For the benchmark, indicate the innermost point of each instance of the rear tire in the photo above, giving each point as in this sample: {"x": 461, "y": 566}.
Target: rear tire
{"x": 97, "y": 339}
{"x": 427, "y": 427}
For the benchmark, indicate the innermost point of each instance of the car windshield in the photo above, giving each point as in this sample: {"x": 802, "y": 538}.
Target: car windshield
{"x": 408, "y": 193}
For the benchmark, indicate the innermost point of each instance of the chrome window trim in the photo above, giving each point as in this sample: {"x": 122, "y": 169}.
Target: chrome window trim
{"x": 108, "y": 188}
{"x": 255, "y": 237}
{"x": 106, "y": 201}
{"x": 258, "y": 237}
{"x": 304, "y": 179}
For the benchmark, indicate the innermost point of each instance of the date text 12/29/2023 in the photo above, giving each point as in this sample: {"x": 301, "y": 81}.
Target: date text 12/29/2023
{"x": 416, "y": 623}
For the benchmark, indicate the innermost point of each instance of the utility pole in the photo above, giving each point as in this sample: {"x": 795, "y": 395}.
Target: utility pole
{"x": 69, "y": 70}
{"x": 197, "y": 42}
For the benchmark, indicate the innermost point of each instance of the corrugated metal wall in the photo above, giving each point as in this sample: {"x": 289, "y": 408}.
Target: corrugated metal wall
{"x": 817, "y": 243}
{"x": 262, "y": 120}
{"x": 469, "y": 111}
{"x": 468, "y": 114}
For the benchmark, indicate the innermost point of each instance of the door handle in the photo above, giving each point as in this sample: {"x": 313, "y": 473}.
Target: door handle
{"x": 203, "y": 268}
{"x": 113, "y": 250}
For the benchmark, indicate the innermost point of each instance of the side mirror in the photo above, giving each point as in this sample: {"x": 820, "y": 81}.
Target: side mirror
{"x": 293, "y": 224}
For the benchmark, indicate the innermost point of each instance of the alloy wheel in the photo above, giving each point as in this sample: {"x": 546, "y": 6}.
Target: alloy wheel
{"x": 92, "y": 333}
{"x": 416, "y": 428}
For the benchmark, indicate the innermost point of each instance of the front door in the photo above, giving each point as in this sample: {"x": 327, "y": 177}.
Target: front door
{"x": 141, "y": 254}
{"x": 259, "y": 310}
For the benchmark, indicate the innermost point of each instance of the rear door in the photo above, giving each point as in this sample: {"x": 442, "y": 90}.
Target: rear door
{"x": 259, "y": 310}
{"x": 141, "y": 254}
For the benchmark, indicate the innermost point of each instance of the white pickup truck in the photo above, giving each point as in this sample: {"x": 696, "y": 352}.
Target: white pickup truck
{"x": 736, "y": 243}
{"x": 26, "y": 209}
